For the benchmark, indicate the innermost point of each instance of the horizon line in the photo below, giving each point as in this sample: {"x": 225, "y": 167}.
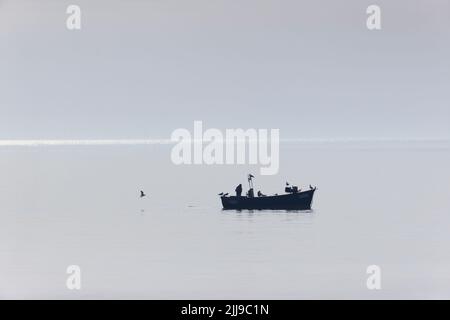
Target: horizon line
{"x": 106, "y": 142}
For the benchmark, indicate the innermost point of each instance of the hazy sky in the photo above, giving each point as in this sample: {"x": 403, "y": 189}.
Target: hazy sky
{"x": 140, "y": 69}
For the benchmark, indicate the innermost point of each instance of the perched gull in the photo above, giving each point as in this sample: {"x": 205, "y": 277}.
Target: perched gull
{"x": 142, "y": 194}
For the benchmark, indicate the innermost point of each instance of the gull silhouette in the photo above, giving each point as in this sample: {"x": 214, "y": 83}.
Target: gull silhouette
{"x": 142, "y": 194}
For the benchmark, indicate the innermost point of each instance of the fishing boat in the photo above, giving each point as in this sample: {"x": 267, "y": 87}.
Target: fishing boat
{"x": 293, "y": 199}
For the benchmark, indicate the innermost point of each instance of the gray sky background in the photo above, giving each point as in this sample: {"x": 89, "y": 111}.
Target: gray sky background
{"x": 140, "y": 69}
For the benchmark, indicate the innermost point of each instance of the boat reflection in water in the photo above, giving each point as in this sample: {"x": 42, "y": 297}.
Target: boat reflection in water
{"x": 293, "y": 199}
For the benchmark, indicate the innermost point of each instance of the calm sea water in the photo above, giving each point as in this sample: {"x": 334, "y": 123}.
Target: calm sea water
{"x": 381, "y": 204}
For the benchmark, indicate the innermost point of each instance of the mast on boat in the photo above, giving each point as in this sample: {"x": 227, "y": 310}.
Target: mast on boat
{"x": 250, "y": 184}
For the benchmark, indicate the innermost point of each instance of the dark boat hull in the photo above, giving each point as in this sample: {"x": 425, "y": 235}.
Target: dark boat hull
{"x": 290, "y": 201}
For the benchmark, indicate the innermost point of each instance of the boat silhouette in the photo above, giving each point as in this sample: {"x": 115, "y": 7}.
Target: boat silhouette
{"x": 293, "y": 199}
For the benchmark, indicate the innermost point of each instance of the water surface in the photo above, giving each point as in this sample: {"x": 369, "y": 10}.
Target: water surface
{"x": 380, "y": 204}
